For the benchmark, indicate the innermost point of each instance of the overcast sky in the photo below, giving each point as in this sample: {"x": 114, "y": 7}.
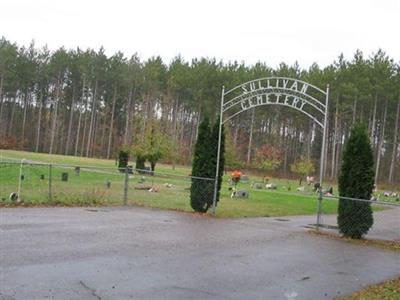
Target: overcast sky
{"x": 270, "y": 31}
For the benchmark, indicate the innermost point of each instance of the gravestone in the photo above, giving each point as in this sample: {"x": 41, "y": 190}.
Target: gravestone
{"x": 77, "y": 170}
{"x": 64, "y": 176}
{"x": 301, "y": 189}
{"x": 244, "y": 179}
{"x": 13, "y": 196}
{"x": 258, "y": 186}
{"x": 241, "y": 194}
{"x": 271, "y": 186}
{"x": 141, "y": 186}
{"x": 130, "y": 169}
{"x": 389, "y": 194}
{"x": 146, "y": 170}
{"x": 310, "y": 179}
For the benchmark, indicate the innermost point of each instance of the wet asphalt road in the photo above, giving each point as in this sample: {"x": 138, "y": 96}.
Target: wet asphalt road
{"x": 138, "y": 253}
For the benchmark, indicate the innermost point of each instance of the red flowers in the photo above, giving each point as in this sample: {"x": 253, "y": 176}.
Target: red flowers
{"x": 235, "y": 176}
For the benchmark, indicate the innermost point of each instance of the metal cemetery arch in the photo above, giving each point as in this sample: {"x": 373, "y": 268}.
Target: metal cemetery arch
{"x": 297, "y": 94}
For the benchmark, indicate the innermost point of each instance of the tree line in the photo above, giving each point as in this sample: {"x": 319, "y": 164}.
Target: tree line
{"x": 82, "y": 102}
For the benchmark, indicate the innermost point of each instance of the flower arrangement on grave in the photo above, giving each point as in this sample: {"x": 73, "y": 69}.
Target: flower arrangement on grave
{"x": 235, "y": 176}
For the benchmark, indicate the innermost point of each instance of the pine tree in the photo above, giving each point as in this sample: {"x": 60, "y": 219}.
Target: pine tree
{"x": 201, "y": 190}
{"x": 213, "y": 151}
{"x": 356, "y": 180}
{"x": 140, "y": 162}
{"x": 123, "y": 158}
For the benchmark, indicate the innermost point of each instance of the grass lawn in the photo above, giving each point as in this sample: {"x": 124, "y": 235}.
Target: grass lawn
{"x": 388, "y": 290}
{"x": 90, "y": 188}
{"x": 83, "y": 161}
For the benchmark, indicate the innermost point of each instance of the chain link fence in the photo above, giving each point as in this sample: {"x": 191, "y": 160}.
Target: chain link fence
{"x": 31, "y": 183}
{"x": 385, "y": 217}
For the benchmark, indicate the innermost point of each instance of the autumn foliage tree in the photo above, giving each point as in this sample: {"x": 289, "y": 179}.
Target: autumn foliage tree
{"x": 303, "y": 167}
{"x": 268, "y": 158}
{"x": 154, "y": 146}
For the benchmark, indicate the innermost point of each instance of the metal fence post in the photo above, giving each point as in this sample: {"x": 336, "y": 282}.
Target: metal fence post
{"x": 319, "y": 209}
{"x": 20, "y": 180}
{"x": 126, "y": 186}
{"x": 50, "y": 179}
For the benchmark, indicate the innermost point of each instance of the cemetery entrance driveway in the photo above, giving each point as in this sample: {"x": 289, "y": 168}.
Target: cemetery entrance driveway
{"x": 139, "y": 253}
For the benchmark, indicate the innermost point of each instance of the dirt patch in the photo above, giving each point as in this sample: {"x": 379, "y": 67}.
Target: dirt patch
{"x": 383, "y": 244}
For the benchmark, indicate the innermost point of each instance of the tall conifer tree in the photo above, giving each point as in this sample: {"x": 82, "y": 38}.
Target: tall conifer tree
{"x": 356, "y": 180}
{"x": 213, "y": 152}
{"x": 201, "y": 190}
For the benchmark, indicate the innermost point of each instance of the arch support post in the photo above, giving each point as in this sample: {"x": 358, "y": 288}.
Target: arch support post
{"x": 284, "y": 91}
{"x": 214, "y": 205}
{"x": 322, "y": 160}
